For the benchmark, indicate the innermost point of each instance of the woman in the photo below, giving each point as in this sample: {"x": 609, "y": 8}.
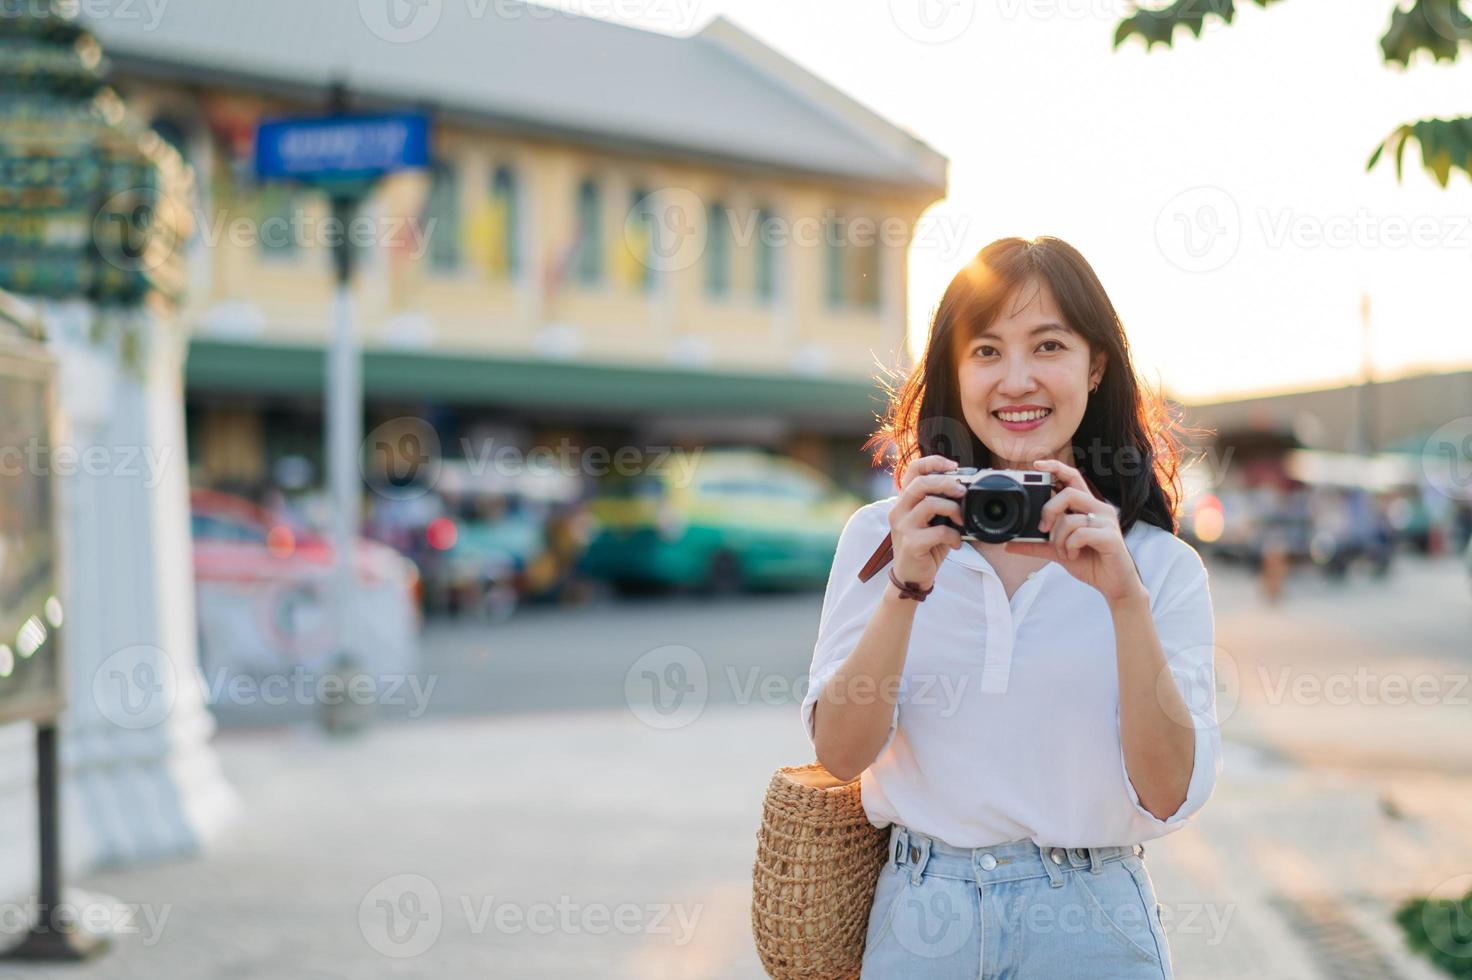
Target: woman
{"x": 1051, "y": 705}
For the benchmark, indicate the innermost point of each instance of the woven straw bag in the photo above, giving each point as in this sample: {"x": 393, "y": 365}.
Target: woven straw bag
{"x": 817, "y": 861}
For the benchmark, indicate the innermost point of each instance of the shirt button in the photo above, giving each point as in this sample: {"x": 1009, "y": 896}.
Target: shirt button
{"x": 988, "y": 861}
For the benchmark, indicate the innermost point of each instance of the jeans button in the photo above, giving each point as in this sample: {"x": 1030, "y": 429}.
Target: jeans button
{"x": 988, "y": 861}
{"x": 1057, "y": 856}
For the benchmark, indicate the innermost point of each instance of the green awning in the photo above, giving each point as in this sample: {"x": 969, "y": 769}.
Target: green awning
{"x": 235, "y": 367}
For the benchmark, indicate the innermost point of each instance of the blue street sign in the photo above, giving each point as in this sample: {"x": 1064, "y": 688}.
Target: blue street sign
{"x": 332, "y": 149}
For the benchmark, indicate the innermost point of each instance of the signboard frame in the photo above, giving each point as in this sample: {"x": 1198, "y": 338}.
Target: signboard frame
{"x": 344, "y": 176}
{"x": 30, "y": 361}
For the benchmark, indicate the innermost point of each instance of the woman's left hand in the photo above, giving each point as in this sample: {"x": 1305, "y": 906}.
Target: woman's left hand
{"x": 1091, "y": 549}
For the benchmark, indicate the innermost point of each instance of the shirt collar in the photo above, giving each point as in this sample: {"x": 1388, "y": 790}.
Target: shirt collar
{"x": 969, "y": 557}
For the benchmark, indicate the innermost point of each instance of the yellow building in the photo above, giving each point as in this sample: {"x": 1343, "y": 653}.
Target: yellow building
{"x": 627, "y": 234}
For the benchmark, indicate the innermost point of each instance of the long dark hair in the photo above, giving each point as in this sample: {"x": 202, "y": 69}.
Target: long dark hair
{"x": 1126, "y": 445}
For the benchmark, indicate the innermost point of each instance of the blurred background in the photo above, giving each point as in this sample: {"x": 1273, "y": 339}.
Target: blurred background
{"x": 428, "y": 424}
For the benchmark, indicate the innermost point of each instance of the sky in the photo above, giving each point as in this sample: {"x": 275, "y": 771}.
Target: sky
{"x": 1218, "y": 188}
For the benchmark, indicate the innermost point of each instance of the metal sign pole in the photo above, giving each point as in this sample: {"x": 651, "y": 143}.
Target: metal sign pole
{"x": 344, "y": 411}
{"x": 343, "y": 155}
{"x": 52, "y": 937}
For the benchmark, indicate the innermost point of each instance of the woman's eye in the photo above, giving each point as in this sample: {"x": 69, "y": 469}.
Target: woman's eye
{"x": 984, "y": 351}
{"x": 1056, "y": 345}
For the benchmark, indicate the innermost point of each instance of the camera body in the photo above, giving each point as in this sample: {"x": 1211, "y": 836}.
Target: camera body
{"x": 1001, "y": 505}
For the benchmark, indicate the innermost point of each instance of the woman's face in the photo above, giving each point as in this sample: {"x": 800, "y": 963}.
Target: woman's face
{"x": 1025, "y": 379}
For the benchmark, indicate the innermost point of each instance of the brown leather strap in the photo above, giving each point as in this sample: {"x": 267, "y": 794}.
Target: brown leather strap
{"x": 910, "y": 590}
{"x": 879, "y": 559}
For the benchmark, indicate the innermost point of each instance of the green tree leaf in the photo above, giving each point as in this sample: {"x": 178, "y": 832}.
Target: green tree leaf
{"x": 1157, "y": 25}
{"x": 1434, "y": 27}
{"x": 1446, "y": 147}
{"x": 1438, "y": 28}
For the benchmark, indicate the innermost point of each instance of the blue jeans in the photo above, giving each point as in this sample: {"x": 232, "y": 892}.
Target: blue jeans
{"x": 1013, "y": 912}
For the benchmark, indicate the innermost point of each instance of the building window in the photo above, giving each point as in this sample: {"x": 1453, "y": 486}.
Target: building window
{"x": 851, "y": 269}
{"x": 764, "y": 248}
{"x": 589, "y": 264}
{"x": 639, "y": 239}
{"x": 443, "y": 209}
{"x": 717, "y": 249}
{"x": 503, "y": 231}
{"x": 174, "y": 134}
{"x": 276, "y": 231}
{"x": 833, "y": 278}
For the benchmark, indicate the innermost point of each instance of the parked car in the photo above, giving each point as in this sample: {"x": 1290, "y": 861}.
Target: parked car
{"x": 743, "y": 518}
{"x": 264, "y": 586}
{"x": 487, "y": 543}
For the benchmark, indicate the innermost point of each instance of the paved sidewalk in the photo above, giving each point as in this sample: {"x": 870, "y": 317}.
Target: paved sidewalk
{"x": 591, "y": 845}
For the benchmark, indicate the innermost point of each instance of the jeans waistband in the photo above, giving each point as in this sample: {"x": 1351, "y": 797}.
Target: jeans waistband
{"x": 923, "y": 855}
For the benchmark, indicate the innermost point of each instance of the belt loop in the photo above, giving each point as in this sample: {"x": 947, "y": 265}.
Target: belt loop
{"x": 1096, "y": 861}
{"x": 899, "y": 844}
{"x": 919, "y": 867}
{"x": 1046, "y": 855}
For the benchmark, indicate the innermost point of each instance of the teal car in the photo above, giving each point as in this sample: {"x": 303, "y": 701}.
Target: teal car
{"x": 741, "y": 519}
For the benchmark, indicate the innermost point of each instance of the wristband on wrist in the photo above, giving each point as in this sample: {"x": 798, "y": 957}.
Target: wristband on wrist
{"x": 910, "y": 590}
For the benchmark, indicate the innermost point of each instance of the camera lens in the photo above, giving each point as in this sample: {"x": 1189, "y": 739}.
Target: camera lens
{"x": 995, "y": 506}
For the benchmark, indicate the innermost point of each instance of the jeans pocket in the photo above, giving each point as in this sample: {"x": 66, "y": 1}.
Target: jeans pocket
{"x": 1123, "y": 909}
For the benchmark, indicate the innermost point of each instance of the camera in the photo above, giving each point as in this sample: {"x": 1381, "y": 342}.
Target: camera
{"x": 1001, "y": 505}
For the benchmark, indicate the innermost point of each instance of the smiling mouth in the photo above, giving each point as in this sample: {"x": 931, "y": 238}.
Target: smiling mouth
{"x": 1023, "y": 416}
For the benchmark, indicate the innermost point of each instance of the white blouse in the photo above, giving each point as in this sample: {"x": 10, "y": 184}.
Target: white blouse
{"x": 1007, "y": 721}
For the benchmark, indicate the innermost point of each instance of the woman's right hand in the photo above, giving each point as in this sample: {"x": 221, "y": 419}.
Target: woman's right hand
{"x": 919, "y": 548}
